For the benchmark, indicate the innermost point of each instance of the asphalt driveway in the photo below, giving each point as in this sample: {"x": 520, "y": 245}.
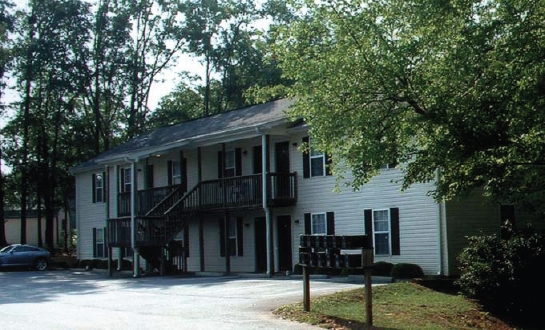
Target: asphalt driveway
{"x": 92, "y": 300}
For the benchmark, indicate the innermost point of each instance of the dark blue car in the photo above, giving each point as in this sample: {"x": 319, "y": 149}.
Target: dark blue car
{"x": 24, "y": 255}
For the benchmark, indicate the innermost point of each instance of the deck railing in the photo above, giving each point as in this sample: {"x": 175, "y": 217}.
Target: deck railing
{"x": 156, "y": 224}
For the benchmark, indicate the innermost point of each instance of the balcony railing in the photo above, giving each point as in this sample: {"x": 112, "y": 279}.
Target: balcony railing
{"x": 156, "y": 224}
{"x": 146, "y": 200}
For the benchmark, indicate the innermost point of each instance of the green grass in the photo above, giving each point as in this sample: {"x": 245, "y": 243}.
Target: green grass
{"x": 400, "y": 306}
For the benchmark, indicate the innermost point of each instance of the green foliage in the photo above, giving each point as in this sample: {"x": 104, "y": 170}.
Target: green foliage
{"x": 456, "y": 86}
{"x": 382, "y": 268}
{"x": 505, "y": 274}
{"x": 406, "y": 271}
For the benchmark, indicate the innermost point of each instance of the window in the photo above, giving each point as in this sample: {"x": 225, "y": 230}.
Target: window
{"x": 125, "y": 179}
{"x": 315, "y": 163}
{"x": 233, "y": 163}
{"x": 98, "y": 188}
{"x": 382, "y": 225}
{"x": 230, "y": 167}
{"x": 319, "y": 224}
{"x": 176, "y": 172}
{"x": 234, "y": 237}
{"x": 99, "y": 248}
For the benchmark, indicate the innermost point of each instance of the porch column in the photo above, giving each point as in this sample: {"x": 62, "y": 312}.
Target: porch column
{"x": 106, "y": 187}
{"x": 268, "y": 218}
{"x": 201, "y": 220}
{"x": 136, "y": 256}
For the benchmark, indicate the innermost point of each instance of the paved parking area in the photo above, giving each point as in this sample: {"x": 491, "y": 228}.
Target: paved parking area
{"x": 68, "y": 299}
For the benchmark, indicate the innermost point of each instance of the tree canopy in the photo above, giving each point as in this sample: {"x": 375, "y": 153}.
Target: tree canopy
{"x": 452, "y": 87}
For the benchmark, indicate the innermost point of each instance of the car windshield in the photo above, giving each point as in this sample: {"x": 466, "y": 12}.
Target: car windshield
{"x": 7, "y": 248}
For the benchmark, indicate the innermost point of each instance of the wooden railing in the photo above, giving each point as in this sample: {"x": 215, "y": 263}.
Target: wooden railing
{"x": 147, "y": 199}
{"x": 157, "y": 224}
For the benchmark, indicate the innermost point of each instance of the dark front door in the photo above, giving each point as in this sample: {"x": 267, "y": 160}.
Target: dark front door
{"x": 282, "y": 156}
{"x": 260, "y": 245}
{"x": 284, "y": 243}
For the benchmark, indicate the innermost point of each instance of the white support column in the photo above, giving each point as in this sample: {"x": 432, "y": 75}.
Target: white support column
{"x": 136, "y": 255}
{"x": 268, "y": 218}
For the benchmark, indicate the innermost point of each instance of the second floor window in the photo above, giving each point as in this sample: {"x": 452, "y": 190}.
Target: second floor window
{"x": 230, "y": 166}
{"x": 98, "y": 188}
{"x": 125, "y": 179}
{"x": 315, "y": 162}
{"x": 176, "y": 172}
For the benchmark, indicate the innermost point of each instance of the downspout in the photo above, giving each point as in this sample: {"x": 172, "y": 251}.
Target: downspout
{"x": 441, "y": 210}
{"x": 268, "y": 221}
{"x": 106, "y": 187}
{"x": 136, "y": 256}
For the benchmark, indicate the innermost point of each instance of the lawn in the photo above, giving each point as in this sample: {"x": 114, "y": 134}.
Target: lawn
{"x": 399, "y": 306}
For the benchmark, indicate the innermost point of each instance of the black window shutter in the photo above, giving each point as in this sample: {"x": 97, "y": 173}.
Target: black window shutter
{"x": 330, "y": 216}
{"x": 93, "y": 182}
{"x": 308, "y": 224}
{"x": 238, "y": 162}
{"x": 220, "y": 165}
{"x": 94, "y": 242}
{"x": 368, "y": 218}
{"x": 222, "y": 236}
{"x": 184, "y": 174}
{"x": 169, "y": 174}
{"x": 394, "y": 223}
{"x": 240, "y": 237}
{"x": 306, "y": 160}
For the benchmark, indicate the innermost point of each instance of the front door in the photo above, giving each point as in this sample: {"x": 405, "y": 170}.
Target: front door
{"x": 284, "y": 243}
{"x": 260, "y": 245}
{"x": 282, "y": 156}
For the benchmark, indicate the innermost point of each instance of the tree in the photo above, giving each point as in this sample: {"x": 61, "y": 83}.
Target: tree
{"x": 455, "y": 88}
{"x": 50, "y": 51}
{"x": 159, "y": 37}
{"x": 7, "y": 23}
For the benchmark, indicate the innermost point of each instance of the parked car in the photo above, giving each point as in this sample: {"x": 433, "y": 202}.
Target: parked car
{"x": 24, "y": 255}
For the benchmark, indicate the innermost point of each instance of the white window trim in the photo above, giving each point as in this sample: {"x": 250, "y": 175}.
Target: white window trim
{"x": 317, "y": 155}
{"x": 176, "y": 177}
{"x": 99, "y": 197}
{"x": 100, "y": 240}
{"x": 389, "y": 232}
{"x": 124, "y": 184}
{"x": 234, "y": 165}
{"x": 324, "y": 214}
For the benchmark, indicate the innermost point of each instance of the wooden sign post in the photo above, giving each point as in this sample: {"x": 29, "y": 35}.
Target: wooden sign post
{"x": 337, "y": 252}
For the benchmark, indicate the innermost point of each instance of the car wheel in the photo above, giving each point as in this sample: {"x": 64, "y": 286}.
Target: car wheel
{"x": 41, "y": 264}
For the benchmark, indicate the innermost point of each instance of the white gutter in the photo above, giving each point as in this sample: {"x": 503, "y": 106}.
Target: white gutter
{"x": 136, "y": 256}
{"x": 268, "y": 221}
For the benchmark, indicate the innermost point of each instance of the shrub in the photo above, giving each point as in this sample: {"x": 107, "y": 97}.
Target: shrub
{"x": 503, "y": 274}
{"x": 382, "y": 268}
{"x": 406, "y": 271}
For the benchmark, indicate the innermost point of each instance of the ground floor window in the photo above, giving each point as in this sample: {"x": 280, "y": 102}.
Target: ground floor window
{"x": 99, "y": 246}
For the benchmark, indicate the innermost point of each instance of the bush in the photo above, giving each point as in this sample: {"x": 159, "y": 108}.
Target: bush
{"x": 406, "y": 271}
{"x": 503, "y": 274}
{"x": 382, "y": 268}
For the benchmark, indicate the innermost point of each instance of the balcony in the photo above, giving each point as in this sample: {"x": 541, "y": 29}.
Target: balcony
{"x": 161, "y": 212}
{"x": 226, "y": 193}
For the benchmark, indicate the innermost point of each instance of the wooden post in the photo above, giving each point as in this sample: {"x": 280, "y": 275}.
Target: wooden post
{"x": 306, "y": 289}
{"x": 368, "y": 298}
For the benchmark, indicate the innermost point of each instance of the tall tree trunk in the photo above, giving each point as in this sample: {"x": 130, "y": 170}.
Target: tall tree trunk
{"x": 2, "y": 203}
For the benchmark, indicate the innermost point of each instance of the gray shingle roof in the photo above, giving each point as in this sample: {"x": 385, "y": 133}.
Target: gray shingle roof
{"x": 196, "y": 132}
